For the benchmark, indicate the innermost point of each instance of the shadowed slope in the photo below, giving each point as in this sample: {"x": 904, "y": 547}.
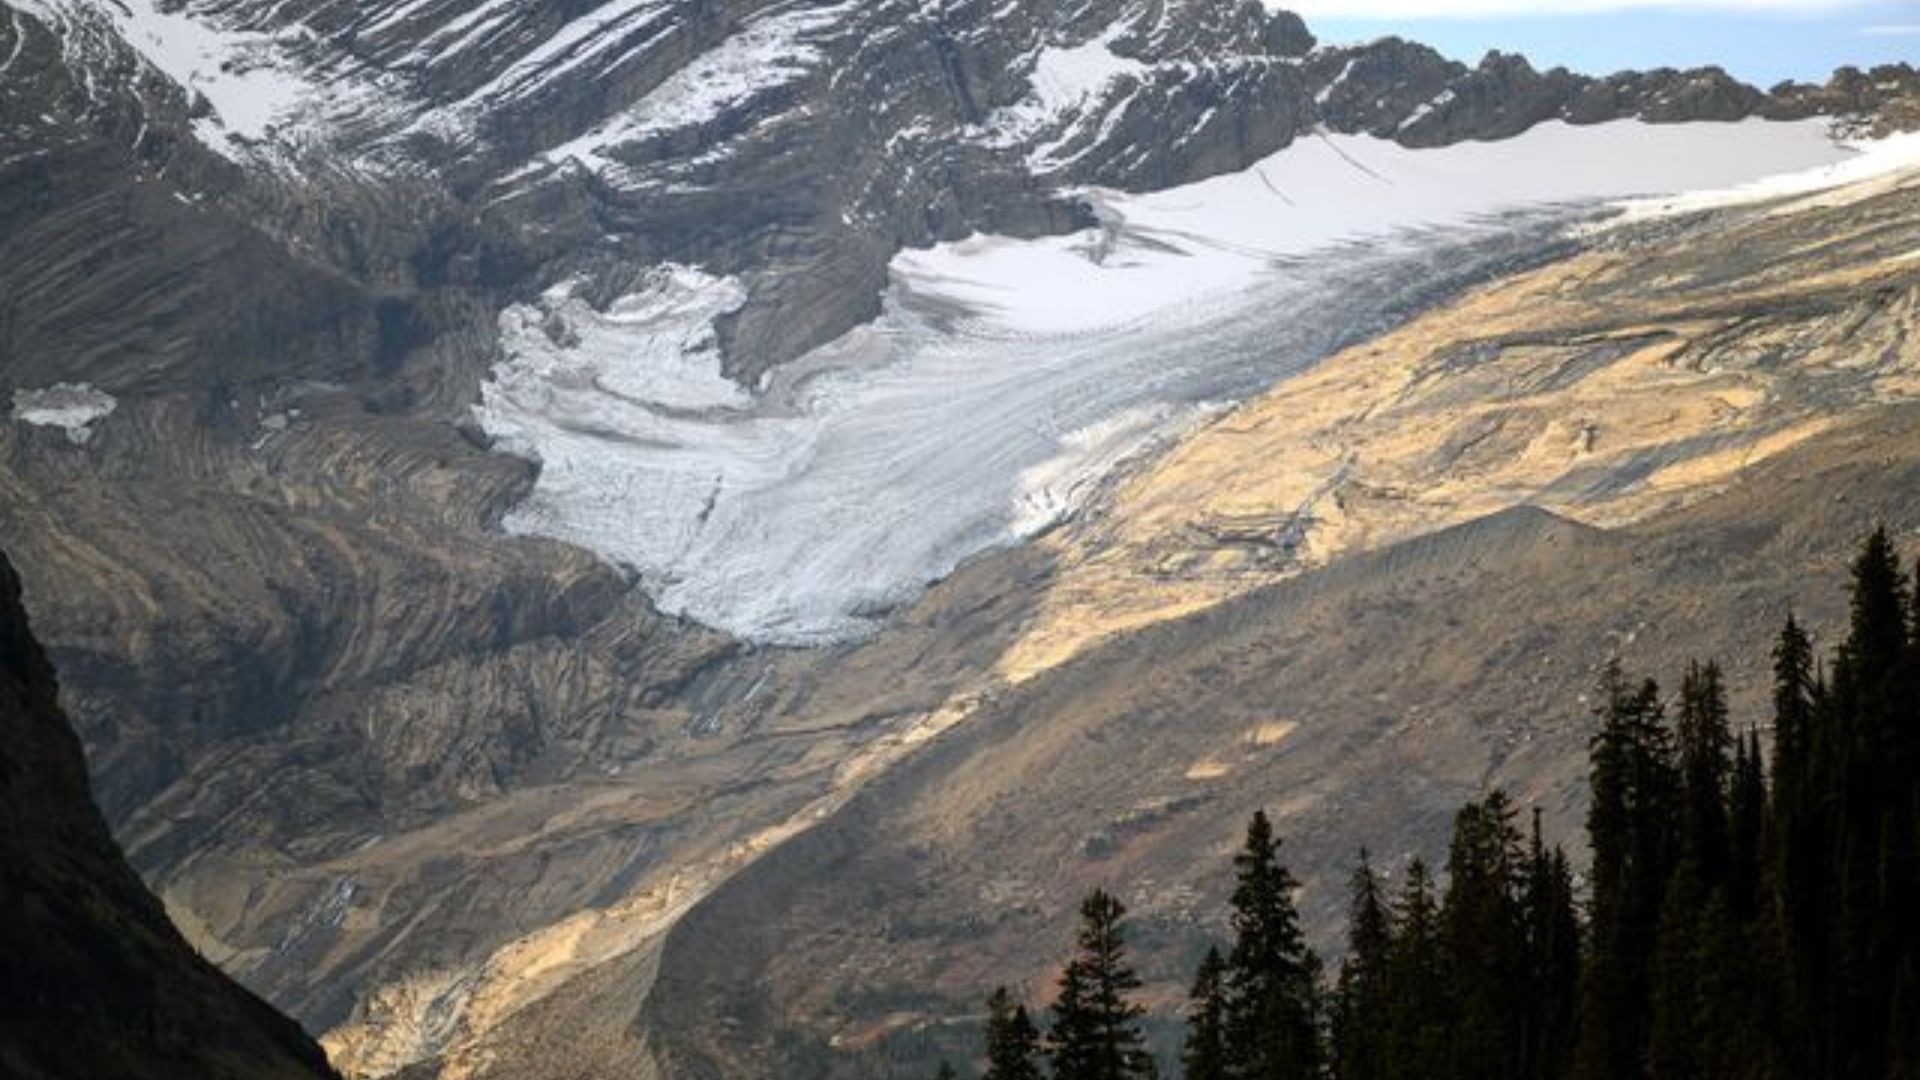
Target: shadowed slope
{"x": 97, "y": 982}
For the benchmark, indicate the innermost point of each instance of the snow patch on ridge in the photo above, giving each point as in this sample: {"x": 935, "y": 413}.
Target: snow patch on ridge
{"x": 1063, "y": 81}
{"x": 71, "y": 407}
{"x": 766, "y": 55}
{"x": 237, "y": 73}
{"x": 257, "y": 93}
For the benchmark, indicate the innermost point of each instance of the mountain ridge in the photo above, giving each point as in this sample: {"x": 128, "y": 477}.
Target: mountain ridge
{"x": 977, "y": 132}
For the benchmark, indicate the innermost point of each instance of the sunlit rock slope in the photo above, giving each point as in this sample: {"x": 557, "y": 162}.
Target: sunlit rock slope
{"x": 1355, "y": 601}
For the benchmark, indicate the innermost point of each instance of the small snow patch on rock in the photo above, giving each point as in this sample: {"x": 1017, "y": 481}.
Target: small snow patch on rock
{"x": 72, "y": 407}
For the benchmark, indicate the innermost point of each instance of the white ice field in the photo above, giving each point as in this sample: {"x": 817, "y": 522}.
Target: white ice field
{"x": 1006, "y": 377}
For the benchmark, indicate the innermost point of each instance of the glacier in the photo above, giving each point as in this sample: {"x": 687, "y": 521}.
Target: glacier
{"x": 1006, "y": 378}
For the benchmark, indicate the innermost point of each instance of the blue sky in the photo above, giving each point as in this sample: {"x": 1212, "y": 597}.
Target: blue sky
{"x": 1762, "y": 41}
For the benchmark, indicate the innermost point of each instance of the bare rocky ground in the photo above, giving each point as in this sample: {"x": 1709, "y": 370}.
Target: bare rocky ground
{"x": 1434, "y": 636}
{"x": 474, "y": 810}
{"x": 1428, "y": 637}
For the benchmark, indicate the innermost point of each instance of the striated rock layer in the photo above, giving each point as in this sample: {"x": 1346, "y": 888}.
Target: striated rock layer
{"x": 97, "y": 982}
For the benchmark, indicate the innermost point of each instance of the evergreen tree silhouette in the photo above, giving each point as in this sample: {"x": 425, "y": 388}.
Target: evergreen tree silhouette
{"x": 1553, "y": 959}
{"x": 1360, "y": 1002}
{"x": 1096, "y": 1025}
{"x": 1273, "y": 1015}
{"x": 1204, "y": 1056}
{"x": 1013, "y": 1044}
{"x": 1419, "y": 1003}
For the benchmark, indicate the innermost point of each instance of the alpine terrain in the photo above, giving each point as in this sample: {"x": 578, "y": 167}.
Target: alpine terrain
{"x": 97, "y": 982}
{"x": 678, "y": 538}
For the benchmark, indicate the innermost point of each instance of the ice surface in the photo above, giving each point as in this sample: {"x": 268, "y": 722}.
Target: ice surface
{"x": 72, "y": 407}
{"x": 235, "y": 72}
{"x": 1891, "y": 157}
{"x": 1164, "y": 249}
{"x": 1007, "y": 377}
{"x": 655, "y": 345}
{"x": 1046, "y": 493}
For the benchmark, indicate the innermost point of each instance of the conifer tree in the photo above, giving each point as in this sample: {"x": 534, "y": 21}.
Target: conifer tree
{"x": 1360, "y": 1005}
{"x": 1553, "y": 959}
{"x": 1635, "y": 795}
{"x": 1737, "y": 994}
{"x": 1877, "y": 632}
{"x": 1204, "y": 1056}
{"x": 1484, "y": 939}
{"x": 1013, "y": 1045}
{"x": 1705, "y": 744}
{"x": 1868, "y": 833}
{"x": 1419, "y": 1006}
{"x": 1273, "y": 1015}
{"x": 1793, "y": 679}
{"x": 1798, "y": 870}
{"x": 1746, "y": 830}
{"x": 1096, "y": 1026}
{"x": 1674, "y": 1034}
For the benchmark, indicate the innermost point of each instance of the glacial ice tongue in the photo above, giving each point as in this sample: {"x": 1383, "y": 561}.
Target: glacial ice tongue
{"x": 1006, "y": 378}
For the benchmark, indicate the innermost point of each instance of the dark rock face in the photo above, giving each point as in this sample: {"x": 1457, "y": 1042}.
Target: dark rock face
{"x": 1882, "y": 99}
{"x": 1505, "y": 96}
{"x": 97, "y": 982}
{"x": 801, "y": 147}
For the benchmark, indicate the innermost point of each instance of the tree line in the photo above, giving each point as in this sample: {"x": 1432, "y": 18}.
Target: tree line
{"x": 1747, "y": 915}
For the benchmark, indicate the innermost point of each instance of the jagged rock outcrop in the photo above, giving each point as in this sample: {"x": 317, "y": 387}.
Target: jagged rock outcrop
{"x": 97, "y": 982}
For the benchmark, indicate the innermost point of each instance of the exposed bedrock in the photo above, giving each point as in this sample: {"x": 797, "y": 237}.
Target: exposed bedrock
{"x": 97, "y": 982}
{"x": 800, "y": 147}
{"x": 1359, "y": 705}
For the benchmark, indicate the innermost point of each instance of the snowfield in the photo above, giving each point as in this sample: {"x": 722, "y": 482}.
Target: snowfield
{"x": 1876, "y": 159}
{"x": 763, "y": 56}
{"x": 1007, "y": 378}
{"x": 259, "y": 100}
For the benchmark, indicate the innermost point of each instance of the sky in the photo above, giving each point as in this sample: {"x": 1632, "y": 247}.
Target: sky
{"x": 1761, "y": 41}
